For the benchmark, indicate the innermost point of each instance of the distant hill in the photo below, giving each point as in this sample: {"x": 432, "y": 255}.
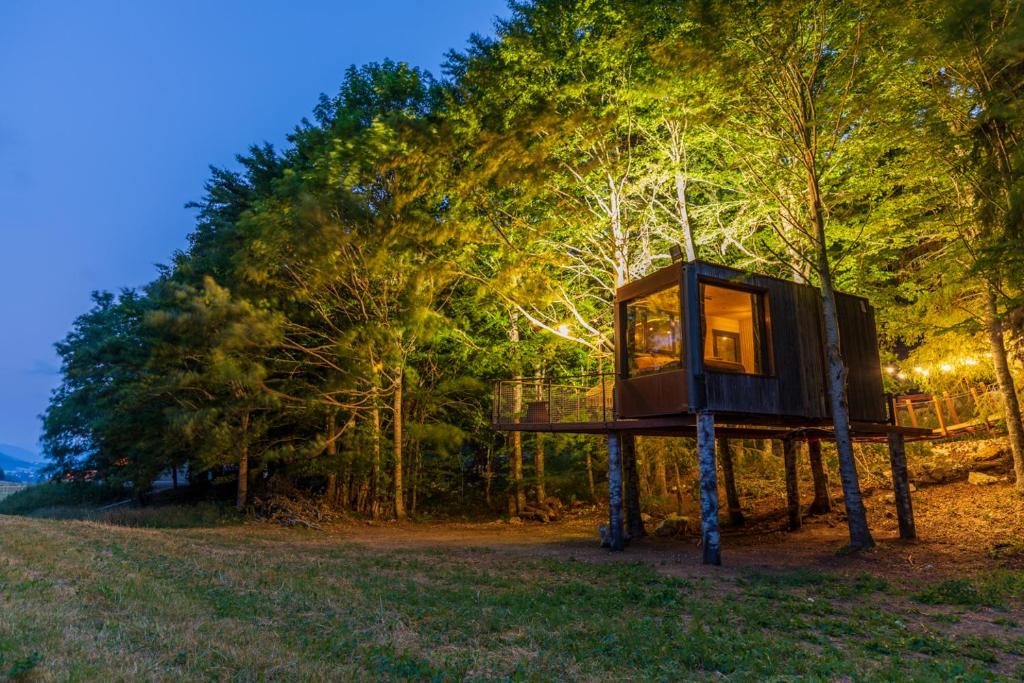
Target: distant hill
{"x": 17, "y": 469}
{"x": 20, "y": 453}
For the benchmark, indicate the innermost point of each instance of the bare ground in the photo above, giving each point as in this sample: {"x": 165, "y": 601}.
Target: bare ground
{"x": 962, "y": 529}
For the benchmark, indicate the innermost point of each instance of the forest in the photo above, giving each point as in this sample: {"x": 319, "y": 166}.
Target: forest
{"x": 345, "y": 302}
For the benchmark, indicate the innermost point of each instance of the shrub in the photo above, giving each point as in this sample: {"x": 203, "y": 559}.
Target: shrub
{"x": 55, "y": 494}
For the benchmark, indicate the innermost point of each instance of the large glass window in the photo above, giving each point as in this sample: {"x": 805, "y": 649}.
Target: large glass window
{"x": 654, "y": 333}
{"x": 733, "y": 328}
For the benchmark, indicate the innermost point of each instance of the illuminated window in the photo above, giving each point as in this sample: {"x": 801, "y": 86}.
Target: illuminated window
{"x": 733, "y": 327}
{"x": 654, "y": 333}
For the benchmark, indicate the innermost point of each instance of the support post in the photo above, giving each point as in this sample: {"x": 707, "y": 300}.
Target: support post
{"x": 732, "y": 499}
{"x": 901, "y": 486}
{"x": 615, "y": 491}
{"x": 792, "y": 489}
{"x": 710, "y": 536}
{"x": 822, "y": 501}
{"x": 631, "y": 483}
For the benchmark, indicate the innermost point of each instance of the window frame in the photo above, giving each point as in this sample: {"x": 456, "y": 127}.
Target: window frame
{"x": 768, "y": 368}
{"x": 627, "y": 338}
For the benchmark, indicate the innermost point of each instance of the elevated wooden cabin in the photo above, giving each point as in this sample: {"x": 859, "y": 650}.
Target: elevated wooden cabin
{"x": 712, "y": 352}
{"x": 699, "y": 336}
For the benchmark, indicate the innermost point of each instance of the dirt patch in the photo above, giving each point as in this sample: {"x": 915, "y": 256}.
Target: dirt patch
{"x": 963, "y": 529}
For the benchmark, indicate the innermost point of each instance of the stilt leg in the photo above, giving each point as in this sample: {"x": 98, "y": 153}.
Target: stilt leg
{"x": 708, "y": 488}
{"x": 631, "y": 483}
{"x": 615, "y": 491}
{"x": 901, "y": 486}
{"x": 732, "y": 499}
{"x": 822, "y": 501}
{"x": 792, "y": 489}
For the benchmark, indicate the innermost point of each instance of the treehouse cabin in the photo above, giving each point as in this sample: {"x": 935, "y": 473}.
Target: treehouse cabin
{"x": 698, "y": 344}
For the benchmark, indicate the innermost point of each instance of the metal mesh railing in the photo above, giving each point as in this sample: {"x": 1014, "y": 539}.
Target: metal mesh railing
{"x": 977, "y": 408}
{"x": 560, "y": 400}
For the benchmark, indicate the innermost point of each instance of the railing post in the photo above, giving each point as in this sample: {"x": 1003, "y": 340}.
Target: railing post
{"x": 952, "y": 407}
{"x": 910, "y": 409}
{"x": 982, "y": 413}
{"x": 938, "y": 414}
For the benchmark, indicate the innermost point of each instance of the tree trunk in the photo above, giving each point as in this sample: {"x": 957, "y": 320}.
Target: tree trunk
{"x": 518, "y": 492}
{"x": 375, "y": 465}
{"x": 590, "y": 474}
{"x": 789, "y": 455}
{"x": 660, "y": 474}
{"x": 243, "y": 467}
{"x": 516, "y": 460}
{"x": 1011, "y": 405}
{"x": 416, "y": 475}
{"x": 615, "y": 491}
{"x": 634, "y": 522}
{"x": 488, "y": 475}
{"x": 680, "y": 502}
{"x": 397, "y": 429}
{"x": 856, "y": 515}
{"x": 710, "y": 536}
{"x": 901, "y": 486}
{"x": 684, "y": 217}
{"x": 538, "y": 466}
{"x": 822, "y": 500}
{"x": 732, "y": 498}
{"x": 332, "y": 452}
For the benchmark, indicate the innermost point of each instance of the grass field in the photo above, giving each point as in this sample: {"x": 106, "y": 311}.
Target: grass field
{"x": 90, "y": 601}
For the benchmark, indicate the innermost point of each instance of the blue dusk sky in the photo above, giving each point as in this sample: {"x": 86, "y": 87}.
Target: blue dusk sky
{"x": 111, "y": 113}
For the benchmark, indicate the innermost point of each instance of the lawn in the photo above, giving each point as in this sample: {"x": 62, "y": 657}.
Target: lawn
{"x": 91, "y": 601}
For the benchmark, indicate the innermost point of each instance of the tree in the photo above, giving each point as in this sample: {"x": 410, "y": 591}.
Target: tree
{"x": 811, "y": 122}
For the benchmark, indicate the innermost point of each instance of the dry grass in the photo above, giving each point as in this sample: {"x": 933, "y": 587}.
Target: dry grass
{"x": 91, "y": 601}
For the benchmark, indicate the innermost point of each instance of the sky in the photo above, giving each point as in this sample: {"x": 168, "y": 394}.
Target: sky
{"x": 110, "y": 115}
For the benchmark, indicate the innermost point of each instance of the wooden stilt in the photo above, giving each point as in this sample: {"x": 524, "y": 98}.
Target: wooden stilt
{"x": 616, "y": 541}
{"x": 901, "y": 486}
{"x": 792, "y": 489}
{"x": 732, "y": 499}
{"x": 710, "y": 535}
{"x": 822, "y": 501}
{"x": 631, "y": 483}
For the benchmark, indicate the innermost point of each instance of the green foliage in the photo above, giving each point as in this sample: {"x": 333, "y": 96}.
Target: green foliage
{"x": 344, "y": 301}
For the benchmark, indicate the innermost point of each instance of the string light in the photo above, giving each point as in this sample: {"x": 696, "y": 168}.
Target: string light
{"x": 563, "y": 330}
{"x": 970, "y": 361}
{"x": 946, "y": 367}
{"x": 891, "y": 369}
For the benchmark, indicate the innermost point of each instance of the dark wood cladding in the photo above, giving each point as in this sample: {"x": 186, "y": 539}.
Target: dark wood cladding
{"x": 746, "y": 394}
{"x": 662, "y": 393}
{"x": 859, "y": 345}
{"x": 794, "y": 383}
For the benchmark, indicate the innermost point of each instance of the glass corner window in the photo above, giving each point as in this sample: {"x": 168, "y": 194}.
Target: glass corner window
{"x": 734, "y": 330}
{"x": 654, "y": 333}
